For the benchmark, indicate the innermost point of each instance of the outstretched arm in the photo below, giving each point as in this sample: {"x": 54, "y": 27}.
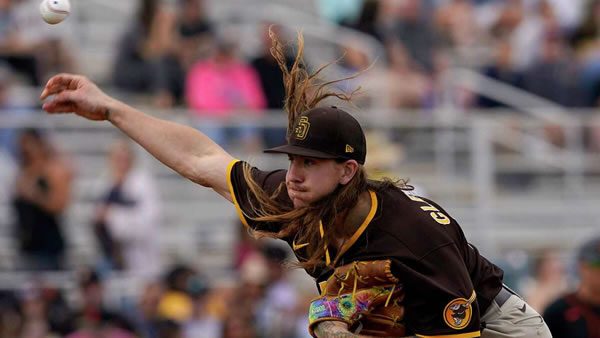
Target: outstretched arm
{"x": 181, "y": 148}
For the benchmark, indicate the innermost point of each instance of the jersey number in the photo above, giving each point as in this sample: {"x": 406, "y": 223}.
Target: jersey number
{"x": 437, "y": 215}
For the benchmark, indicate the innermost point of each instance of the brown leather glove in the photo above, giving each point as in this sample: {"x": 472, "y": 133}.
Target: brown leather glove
{"x": 364, "y": 295}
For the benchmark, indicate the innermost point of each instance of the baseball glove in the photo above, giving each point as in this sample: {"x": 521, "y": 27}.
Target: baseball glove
{"x": 364, "y": 295}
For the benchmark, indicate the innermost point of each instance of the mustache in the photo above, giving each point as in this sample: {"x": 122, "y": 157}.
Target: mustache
{"x": 296, "y": 188}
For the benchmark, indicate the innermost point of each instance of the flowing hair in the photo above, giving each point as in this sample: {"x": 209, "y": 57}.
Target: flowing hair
{"x": 304, "y": 91}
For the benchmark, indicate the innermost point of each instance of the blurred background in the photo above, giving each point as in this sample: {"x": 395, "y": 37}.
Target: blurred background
{"x": 489, "y": 107}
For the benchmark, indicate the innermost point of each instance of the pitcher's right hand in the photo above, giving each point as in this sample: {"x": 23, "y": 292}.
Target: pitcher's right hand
{"x": 76, "y": 94}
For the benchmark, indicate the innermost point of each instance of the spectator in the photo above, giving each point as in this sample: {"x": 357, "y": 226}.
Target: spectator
{"x": 406, "y": 21}
{"x": 195, "y": 34}
{"x": 246, "y": 246}
{"x": 408, "y": 86}
{"x": 12, "y": 106}
{"x": 501, "y": 69}
{"x": 28, "y": 46}
{"x": 577, "y": 314}
{"x": 35, "y": 323}
{"x": 276, "y": 311}
{"x": 248, "y": 296}
{"x": 127, "y": 220}
{"x": 182, "y": 284}
{"x": 536, "y": 23}
{"x": 553, "y": 76}
{"x": 145, "y": 315}
{"x": 11, "y": 318}
{"x": 143, "y": 63}
{"x": 221, "y": 86}
{"x": 455, "y": 23}
{"x": 169, "y": 329}
{"x": 190, "y": 39}
{"x": 93, "y": 317}
{"x": 585, "y": 34}
{"x": 45, "y": 312}
{"x": 43, "y": 189}
{"x": 353, "y": 60}
{"x": 271, "y": 80}
{"x": 585, "y": 44}
{"x": 239, "y": 325}
{"x": 549, "y": 280}
{"x": 368, "y": 20}
{"x": 203, "y": 323}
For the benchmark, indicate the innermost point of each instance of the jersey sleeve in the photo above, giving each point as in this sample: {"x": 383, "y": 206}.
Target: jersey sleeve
{"x": 441, "y": 298}
{"x": 440, "y": 302}
{"x": 243, "y": 198}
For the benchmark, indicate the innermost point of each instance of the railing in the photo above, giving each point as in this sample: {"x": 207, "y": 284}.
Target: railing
{"x": 568, "y": 158}
{"x": 494, "y": 218}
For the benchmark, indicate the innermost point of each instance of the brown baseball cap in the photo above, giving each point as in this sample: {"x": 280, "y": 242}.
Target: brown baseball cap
{"x": 326, "y": 132}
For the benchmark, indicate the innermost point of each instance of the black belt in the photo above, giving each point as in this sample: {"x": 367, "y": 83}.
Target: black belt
{"x": 504, "y": 295}
{"x": 501, "y": 298}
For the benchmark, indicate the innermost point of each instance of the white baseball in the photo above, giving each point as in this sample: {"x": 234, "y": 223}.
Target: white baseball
{"x": 55, "y": 11}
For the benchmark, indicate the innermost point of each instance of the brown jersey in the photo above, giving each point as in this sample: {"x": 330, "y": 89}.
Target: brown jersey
{"x": 448, "y": 283}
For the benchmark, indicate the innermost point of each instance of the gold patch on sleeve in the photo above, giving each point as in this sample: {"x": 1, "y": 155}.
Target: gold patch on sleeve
{"x": 458, "y": 313}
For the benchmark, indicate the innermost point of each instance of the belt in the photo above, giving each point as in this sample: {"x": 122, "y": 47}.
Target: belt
{"x": 504, "y": 295}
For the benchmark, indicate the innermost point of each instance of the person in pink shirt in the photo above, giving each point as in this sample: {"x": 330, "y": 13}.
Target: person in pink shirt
{"x": 221, "y": 87}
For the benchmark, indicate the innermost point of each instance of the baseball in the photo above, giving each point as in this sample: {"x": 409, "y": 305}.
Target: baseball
{"x": 55, "y": 11}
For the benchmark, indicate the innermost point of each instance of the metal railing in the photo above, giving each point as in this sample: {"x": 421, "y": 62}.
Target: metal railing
{"x": 494, "y": 218}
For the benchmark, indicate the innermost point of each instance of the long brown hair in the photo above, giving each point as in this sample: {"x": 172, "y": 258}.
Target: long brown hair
{"x": 305, "y": 91}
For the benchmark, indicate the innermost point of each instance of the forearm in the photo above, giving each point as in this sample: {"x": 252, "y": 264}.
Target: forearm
{"x": 177, "y": 146}
{"x": 334, "y": 329}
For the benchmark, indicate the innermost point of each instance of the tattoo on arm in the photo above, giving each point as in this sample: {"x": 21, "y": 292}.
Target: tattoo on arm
{"x": 330, "y": 329}
{"x": 333, "y": 329}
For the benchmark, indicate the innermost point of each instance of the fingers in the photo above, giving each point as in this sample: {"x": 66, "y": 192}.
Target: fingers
{"x": 61, "y": 108}
{"x": 59, "y": 83}
{"x": 63, "y": 102}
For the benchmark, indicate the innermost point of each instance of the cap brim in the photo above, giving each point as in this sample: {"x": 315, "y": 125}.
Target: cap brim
{"x": 295, "y": 150}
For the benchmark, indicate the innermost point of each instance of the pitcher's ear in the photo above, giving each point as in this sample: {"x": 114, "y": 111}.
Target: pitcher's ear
{"x": 350, "y": 168}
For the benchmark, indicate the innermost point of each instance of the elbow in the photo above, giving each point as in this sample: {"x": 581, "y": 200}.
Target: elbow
{"x": 207, "y": 170}
{"x": 200, "y": 180}
{"x": 194, "y": 173}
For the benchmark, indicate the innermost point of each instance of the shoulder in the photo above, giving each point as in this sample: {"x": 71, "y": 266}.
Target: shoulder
{"x": 259, "y": 175}
{"x": 269, "y": 181}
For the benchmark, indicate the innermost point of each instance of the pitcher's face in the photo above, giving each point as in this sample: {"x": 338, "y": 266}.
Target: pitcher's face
{"x": 310, "y": 179}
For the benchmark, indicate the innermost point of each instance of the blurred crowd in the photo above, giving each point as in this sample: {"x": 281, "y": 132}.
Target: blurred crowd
{"x": 179, "y": 302}
{"x": 174, "y": 55}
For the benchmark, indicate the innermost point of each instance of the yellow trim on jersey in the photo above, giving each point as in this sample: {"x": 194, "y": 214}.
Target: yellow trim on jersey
{"x": 362, "y": 228}
{"x": 240, "y": 213}
{"x": 327, "y": 257}
{"x": 472, "y": 298}
{"x": 460, "y": 335}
